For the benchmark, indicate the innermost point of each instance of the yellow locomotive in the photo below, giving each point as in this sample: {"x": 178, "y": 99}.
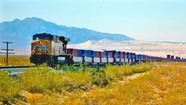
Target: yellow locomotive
{"x": 50, "y": 49}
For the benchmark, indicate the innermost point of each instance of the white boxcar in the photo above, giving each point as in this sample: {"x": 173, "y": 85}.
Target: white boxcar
{"x": 96, "y": 59}
{"x": 88, "y": 59}
{"x": 104, "y": 60}
{"x": 77, "y": 59}
{"x": 110, "y": 60}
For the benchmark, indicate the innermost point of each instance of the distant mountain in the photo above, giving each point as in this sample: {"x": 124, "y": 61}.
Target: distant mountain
{"x": 20, "y": 32}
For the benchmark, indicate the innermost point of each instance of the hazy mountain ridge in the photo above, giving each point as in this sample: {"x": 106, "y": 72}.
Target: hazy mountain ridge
{"x": 20, "y": 32}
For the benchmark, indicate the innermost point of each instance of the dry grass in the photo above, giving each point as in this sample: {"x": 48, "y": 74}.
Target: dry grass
{"x": 119, "y": 72}
{"x": 164, "y": 83}
{"x": 42, "y": 79}
{"x": 9, "y": 88}
{"x": 15, "y": 60}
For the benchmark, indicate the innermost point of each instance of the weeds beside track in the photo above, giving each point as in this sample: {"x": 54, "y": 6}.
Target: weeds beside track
{"x": 107, "y": 85}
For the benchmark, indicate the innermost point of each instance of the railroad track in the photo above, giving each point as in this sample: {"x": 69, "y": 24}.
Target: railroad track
{"x": 14, "y": 70}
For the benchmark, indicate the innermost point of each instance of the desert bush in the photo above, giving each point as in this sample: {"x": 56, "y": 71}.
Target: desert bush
{"x": 100, "y": 78}
{"x": 118, "y": 72}
{"x": 35, "y": 80}
{"x": 9, "y": 88}
{"x": 164, "y": 85}
{"x": 95, "y": 75}
{"x": 115, "y": 72}
{"x": 123, "y": 94}
{"x": 77, "y": 79}
{"x": 141, "y": 67}
{"x": 41, "y": 79}
{"x": 138, "y": 68}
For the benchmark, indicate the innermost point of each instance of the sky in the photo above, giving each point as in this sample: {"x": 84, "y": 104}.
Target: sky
{"x": 148, "y": 20}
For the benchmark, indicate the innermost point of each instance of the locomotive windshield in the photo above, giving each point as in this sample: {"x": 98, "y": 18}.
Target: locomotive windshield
{"x": 43, "y": 48}
{"x": 43, "y": 37}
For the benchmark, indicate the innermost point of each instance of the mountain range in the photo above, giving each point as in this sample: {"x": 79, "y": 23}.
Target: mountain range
{"x": 20, "y": 32}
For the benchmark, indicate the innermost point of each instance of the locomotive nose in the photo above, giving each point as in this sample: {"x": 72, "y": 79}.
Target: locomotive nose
{"x": 40, "y": 50}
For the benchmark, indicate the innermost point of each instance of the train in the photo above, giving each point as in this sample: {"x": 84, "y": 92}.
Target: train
{"x": 52, "y": 49}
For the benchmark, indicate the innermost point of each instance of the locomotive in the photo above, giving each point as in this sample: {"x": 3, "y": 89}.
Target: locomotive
{"x": 52, "y": 49}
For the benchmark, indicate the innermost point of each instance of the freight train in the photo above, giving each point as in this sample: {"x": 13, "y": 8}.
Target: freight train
{"x": 52, "y": 49}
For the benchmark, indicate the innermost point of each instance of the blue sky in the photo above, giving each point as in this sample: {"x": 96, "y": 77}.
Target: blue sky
{"x": 149, "y": 20}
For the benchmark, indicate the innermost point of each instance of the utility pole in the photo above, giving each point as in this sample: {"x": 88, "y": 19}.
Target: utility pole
{"x": 7, "y": 51}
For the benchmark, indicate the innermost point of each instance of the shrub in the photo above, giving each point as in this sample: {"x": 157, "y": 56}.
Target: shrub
{"x": 118, "y": 72}
{"x": 100, "y": 78}
{"x": 41, "y": 79}
{"x": 93, "y": 75}
{"x": 9, "y": 88}
{"x": 163, "y": 85}
{"x": 35, "y": 80}
{"x": 141, "y": 67}
{"x": 77, "y": 79}
{"x": 115, "y": 72}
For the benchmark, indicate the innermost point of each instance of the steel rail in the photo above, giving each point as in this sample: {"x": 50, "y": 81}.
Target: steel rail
{"x": 6, "y": 67}
{"x": 14, "y": 70}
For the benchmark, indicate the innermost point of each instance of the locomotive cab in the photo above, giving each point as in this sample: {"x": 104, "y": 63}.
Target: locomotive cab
{"x": 50, "y": 49}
